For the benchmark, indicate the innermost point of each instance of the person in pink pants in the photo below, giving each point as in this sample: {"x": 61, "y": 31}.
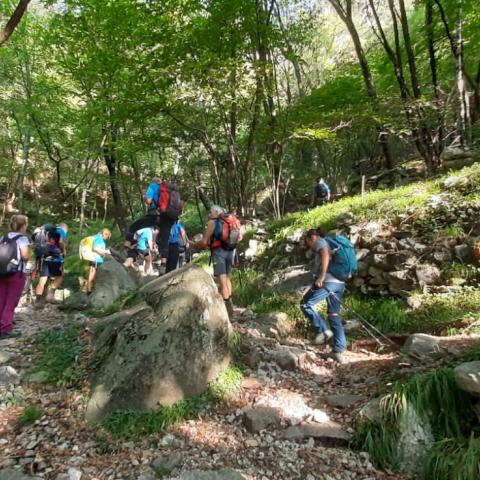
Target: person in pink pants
{"x": 11, "y": 286}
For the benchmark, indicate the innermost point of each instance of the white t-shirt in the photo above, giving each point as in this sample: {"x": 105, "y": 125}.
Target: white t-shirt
{"x": 22, "y": 241}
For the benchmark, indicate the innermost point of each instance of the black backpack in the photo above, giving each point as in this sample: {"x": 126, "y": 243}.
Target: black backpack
{"x": 9, "y": 261}
{"x": 321, "y": 190}
{"x": 43, "y": 237}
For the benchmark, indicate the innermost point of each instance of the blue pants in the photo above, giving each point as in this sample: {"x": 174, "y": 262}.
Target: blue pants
{"x": 332, "y": 292}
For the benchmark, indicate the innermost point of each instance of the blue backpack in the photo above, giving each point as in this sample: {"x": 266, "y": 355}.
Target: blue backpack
{"x": 343, "y": 260}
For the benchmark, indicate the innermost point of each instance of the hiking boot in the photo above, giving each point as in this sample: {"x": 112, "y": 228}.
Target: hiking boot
{"x": 40, "y": 302}
{"x": 12, "y": 334}
{"x": 323, "y": 337}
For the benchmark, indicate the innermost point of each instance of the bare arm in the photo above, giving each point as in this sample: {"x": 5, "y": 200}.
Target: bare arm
{"x": 325, "y": 256}
{"x": 205, "y": 241}
{"x": 184, "y": 237}
{"x": 25, "y": 253}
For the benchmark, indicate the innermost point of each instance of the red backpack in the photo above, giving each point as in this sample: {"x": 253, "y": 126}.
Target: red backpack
{"x": 227, "y": 232}
{"x": 170, "y": 200}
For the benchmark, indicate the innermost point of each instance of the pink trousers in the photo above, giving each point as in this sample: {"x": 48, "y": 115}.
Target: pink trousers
{"x": 10, "y": 292}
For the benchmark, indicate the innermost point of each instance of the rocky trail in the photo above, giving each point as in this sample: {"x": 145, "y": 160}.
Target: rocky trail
{"x": 291, "y": 419}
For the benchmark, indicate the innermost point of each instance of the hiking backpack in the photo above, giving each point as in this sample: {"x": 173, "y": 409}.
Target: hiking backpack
{"x": 9, "y": 260}
{"x": 43, "y": 238}
{"x": 227, "y": 232}
{"x": 170, "y": 200}
{"x": 85, "y": 249}
{"x": 343, "y": 259}
{"x": 321, "y": 190}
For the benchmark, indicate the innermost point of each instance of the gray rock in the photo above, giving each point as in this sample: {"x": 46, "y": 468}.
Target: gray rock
{"x": 372, "y": 411}
{"x": 296, "y": 236}
{"x": 166, "y": 463}
{"x": 225, "y": 474}
{"x": 289, "y": 358}
{"x": 165, "y": 349}
{"x": 9, "y": 376}
{"x": 442, "y": 254}
{"x": 343, "y": 401}
{"x": 275, "y": 324}
{"x": 362, "y": 253}
{"x": 399, "y": 280}
{"x": 37, "y": 377}
{"x": 467, "y": 377}
{"x": 292, "y": 279}
{"x": 352, "y": 325}
{"x": 415, "y": 440}
{"x": 427, "y": 274}
{"x": 463, "y": 252}
{"x": 326, "y": 431}
{"x": 13, "y": 474}
{"x": 77, "y": 301}
{"x": 5, "y": 357}
{"x": 261, "y": 418}
{"x": 421, "y": 345}
{"x": 113, "y": 281}
{"x": 252, "y": 249}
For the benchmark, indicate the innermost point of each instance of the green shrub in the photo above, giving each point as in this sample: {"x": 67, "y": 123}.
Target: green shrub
{"x": 29, "y": 415}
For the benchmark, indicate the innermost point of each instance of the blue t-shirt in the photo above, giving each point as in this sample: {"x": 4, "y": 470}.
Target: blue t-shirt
{"x": 176, "y": 235}
{"x": 99, "y": 242}
{"x": 144, "y": 236}
{"x": 153, "y": 193}
{"x": 55, "y": 255}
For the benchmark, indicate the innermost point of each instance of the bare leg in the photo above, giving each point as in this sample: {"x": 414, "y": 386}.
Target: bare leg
{"x": 147, "y": 264}
{"x": 92, "y": 273}
{"x": 41, "y": 286}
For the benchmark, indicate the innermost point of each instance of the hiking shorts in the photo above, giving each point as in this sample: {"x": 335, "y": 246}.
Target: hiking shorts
{"x": 135, "y": 252}
{"x": 222, "y": 261}
{"x": 51, "y": 269}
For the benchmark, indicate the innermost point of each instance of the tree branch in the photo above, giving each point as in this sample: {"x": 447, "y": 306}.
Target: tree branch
{"x": 14, "y": 21}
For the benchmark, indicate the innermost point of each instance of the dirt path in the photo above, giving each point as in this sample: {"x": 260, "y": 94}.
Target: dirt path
{"x": 60, "y": 445}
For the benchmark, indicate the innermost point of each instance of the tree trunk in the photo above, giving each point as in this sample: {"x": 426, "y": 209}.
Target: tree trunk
{"x": 14, "y": 21}
{"x": 25, "y": 160}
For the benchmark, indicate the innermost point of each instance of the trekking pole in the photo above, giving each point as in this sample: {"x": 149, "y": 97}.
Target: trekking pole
{"x": 372, "y": 330}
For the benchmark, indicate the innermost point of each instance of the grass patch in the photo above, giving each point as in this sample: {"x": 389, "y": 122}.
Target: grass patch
{"x": 58, "y": 353}
{"x": 122, "y": 303}
{"x": 29, "y": 415}
{"x": 137, "y": 424}
{"x": 436, "y": 398}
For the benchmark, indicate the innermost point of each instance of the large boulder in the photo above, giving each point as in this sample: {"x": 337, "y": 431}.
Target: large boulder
{"x": 467, "y": 377}
{"x": 423, "y": 346}
{"x": 168, "y": 347}
{"x": 113, "y": 281}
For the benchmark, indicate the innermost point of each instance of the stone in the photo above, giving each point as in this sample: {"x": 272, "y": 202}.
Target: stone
{"x": 225, "y": 474}
{"x": 251, "y": 383}
{"x": 38, "y": 377}
{"x": 362, "y": 253}
{"x": 463, "y": 252}
{"x": 399, "y": 280}
{"x": 372, "y": 411}
{"x": 166, "y": 463}
{"x": 343, "y": 401}
{"x": 427, "y": 275}
{"x": 76, "y": 301}
{"x": 296, "y": 236}
{"x": 14, "y": 474}
{"x": 275, "y": 324}
{"x": 260, "y": 418}
{"x": 415, "y": 440}
{"x": 293, "y": 279}
{"x": 467, "y": 377}
{"x": 414, "y": 302}
{"x": 5, "y": 357}
{"x": 252, "y": 250}
{"x": 289, "y": 358}
{"x": 421, "y": 345}
{"x": 442, "y": 254}
{"x": 74, "y": 474}
{"x": 9, "y": 376}
{"x": 352, "y": 325}
{"x": 112, "y": 282}
{"x": 375, "y": 272}
{"x": 328, "y": 431}
{"x": 167, "y": 348}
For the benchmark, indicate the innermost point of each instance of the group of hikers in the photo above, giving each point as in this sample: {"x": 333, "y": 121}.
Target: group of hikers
{"x": 160, "y": 230}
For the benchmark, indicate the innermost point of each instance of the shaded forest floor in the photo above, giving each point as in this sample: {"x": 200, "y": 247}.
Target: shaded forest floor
{"x": 43, "y": 430}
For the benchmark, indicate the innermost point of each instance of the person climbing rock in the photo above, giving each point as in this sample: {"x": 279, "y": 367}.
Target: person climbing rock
{"x": 321, "y": 193}
{"x": 49, "y": 248}
{"x": 93, "y": 249}
{"x": 14, "y": 255}
{"x": 165, "y": 205}
{"x": 334, "y": 262}
{"x": 143, "y": 246}
{"x": 222, "y": 236}
{"x": 177, "y": 246}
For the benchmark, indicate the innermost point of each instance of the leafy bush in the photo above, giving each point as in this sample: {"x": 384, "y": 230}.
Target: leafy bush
{"x": 29, "y": 415}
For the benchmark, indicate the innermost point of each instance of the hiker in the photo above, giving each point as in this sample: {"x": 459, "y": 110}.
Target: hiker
{"x": 335, "y": 261}
{"x": 222, "y": 236}
{"x": 93, "y": 249}
{"x": 177, "y": 246}
{"x": 165, "y": 205}
{"x": 14, "y": 255}
{"x": 49, "y": 248}
{"x": 321, "y": 193}
{"x": 143, "y": 246}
